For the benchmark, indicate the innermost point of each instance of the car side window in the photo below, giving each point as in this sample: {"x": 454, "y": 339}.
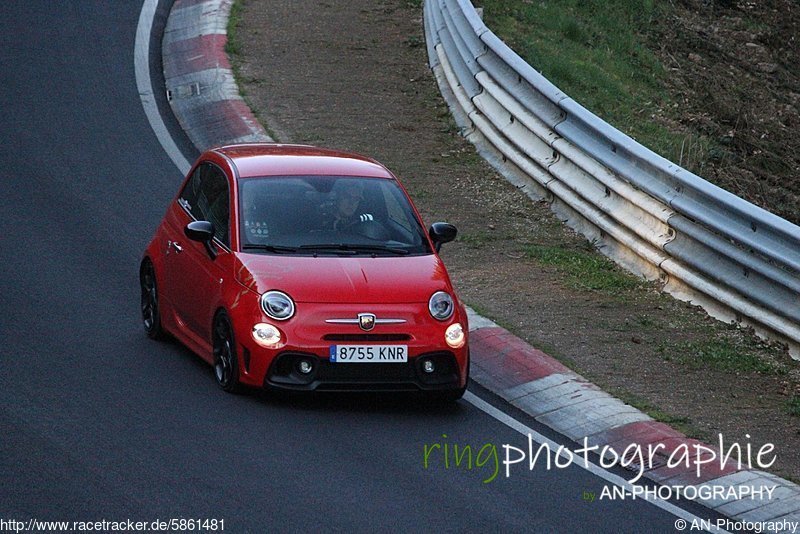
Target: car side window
{"x": 206, "y": 197}
{"x": 191, "y": 191}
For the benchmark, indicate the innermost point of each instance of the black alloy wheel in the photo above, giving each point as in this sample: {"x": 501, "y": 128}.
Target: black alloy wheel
{"x": 151, "y": 316}
{"x": 226, "y": 364}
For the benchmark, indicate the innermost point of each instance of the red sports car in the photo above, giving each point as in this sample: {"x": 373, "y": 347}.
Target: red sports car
{"x": 301, "y": 268}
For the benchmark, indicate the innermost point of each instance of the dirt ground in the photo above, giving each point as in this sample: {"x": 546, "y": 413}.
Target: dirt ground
{"x": 354, "y": 75}
{"x": 734, "y": 70}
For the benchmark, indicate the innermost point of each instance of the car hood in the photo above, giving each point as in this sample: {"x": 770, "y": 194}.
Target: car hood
{"x": 335, "y": 279}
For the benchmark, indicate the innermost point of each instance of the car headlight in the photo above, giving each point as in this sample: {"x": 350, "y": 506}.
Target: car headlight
{"x": 454, "y": 336}
{"x": 266, "y": 335}
{"x": 277, "y": 305}
{"x": 441, "y": 305}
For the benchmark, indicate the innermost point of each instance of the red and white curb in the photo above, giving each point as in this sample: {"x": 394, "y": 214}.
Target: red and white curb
{"x": 566, "y": 402}
{"x": 200, "y": 86}
{"x": 206, "y": 101}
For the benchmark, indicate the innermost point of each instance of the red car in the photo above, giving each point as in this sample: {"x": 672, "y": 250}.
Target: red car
{"x": 301, "y": 268}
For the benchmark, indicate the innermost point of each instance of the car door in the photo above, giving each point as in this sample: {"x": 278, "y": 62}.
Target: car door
{"x": 193, "y": 275}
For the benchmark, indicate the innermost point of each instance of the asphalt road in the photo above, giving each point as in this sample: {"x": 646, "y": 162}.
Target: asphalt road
{"x": 98, "y": 422}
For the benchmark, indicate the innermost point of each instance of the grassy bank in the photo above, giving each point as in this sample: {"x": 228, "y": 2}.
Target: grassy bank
{"x": 713, "y": 88}
{"x": 592, "y": 50}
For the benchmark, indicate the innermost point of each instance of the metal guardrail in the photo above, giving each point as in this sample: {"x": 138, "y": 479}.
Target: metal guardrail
{"x": 708, "y": 246}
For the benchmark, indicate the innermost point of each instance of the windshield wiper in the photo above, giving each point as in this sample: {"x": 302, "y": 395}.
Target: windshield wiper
{"x": 278, "y": 249}
{"x": 325, "y": 247}
{"x": 353, "y": 248}
{"x": 380, "y": 248}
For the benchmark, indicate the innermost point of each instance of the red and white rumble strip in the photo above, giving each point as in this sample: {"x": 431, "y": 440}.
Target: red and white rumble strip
{"x": 200, "y": 84}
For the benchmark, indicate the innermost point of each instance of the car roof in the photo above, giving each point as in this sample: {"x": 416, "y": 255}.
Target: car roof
{"x": 274, "y": 159}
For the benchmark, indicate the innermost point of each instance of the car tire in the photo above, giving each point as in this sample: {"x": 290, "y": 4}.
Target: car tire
{"x": 151, "y": 312}
{"x": 226, "y": 361}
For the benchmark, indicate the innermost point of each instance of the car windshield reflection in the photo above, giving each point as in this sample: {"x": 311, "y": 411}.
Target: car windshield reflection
{"x": 314, "y": 215}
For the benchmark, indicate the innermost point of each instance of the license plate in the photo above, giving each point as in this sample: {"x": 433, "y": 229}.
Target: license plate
{"x": 369, "y": 353}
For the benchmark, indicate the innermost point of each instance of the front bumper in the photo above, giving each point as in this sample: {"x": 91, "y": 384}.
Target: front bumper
{"x": 310, "y": 334}
{"x": 285, "y": 373}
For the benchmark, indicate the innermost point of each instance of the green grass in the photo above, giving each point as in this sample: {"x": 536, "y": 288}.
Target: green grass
{"x": 645, "y": 321}
{"x": 414, "y": 41}
{"x": 592, "y": 51}
{"x": 793, "y": 406}
{"x": 585, "y": 269}
{"x": 232, "y": 45}
{"x": 680, "y": 423}
{"x": 721, "y": 355}
{"x": 481, "y": 238}
{"x": 476, "y": 239}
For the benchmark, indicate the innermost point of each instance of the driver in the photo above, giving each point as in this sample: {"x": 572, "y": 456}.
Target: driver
{"x": 346, "y": 202}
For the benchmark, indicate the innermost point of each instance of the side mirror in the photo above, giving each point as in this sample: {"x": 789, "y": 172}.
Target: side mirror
{"x": 203, "y": 232}
{"x": 441, "y": 233}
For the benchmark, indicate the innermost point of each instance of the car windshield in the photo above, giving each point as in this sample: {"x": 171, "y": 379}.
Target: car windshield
{"x": 310, "y": 215}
